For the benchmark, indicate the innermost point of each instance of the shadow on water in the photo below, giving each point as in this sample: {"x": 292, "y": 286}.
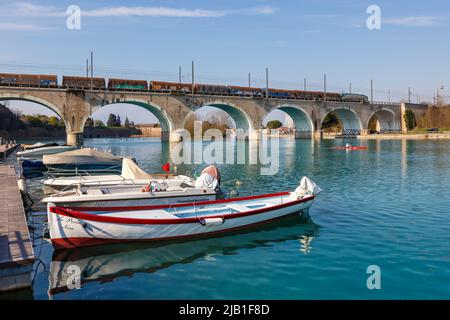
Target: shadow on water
{"x": 107, "y": 263}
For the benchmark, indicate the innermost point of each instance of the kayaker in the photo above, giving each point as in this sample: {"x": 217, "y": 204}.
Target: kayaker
{"x": 348, "y": 146}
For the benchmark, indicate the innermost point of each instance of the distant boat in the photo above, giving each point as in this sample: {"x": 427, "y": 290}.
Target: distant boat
{"x": 38, "y": 150}
{"x": 82, "y": 161}
{"x": 78, "y": 227}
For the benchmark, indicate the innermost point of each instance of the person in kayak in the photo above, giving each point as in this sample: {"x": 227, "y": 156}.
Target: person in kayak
{"x": 348, "y": 146}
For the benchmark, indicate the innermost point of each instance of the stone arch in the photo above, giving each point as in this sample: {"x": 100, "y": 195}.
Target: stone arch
{"x": 386, "y": 120}
{"x": 301, "y": 118}
{"x": 239, "y": 116}
{"x": 163, "y": 117}
{"x": 349, "y": 118}
{"x": 29, "y": 98}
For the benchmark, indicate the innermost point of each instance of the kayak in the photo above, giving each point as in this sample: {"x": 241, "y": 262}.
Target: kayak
{"x": 350, "y": 148}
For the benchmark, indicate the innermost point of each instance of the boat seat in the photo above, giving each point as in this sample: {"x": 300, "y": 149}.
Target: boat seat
{"x": 237, "y": 207}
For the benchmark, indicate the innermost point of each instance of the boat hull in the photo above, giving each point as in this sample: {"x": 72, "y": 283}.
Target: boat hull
{"x": 68, "y": 230}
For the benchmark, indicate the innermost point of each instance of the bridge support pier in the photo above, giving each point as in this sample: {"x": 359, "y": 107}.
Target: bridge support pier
{"x": 318, "y": 134}
{"x": 254, "y": 135}
{"x": 74, "y": 138}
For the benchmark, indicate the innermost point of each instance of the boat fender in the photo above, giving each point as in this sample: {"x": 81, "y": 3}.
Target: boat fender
{"x": 212, "y": 221}
{"x": 22, "y": 186}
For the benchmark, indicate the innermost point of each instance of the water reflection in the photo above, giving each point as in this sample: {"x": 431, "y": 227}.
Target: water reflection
{"x": 106, "y": 263}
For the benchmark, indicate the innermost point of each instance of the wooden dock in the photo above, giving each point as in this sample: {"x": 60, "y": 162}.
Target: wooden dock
{"x": 16, "y": 250}
{"x": 5, "y": 150}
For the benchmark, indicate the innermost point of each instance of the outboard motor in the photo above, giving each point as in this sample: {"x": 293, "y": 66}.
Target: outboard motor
{"x": 210, "y": 178}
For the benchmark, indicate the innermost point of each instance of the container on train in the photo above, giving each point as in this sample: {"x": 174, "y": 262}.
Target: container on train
{"x": 355, "y": 97}
{"x": 29, "y": 80}
{"x": 125, "y": 84}
{"x": 83, "y": 82}
{"x": 245, "y": 91}
{"x": 211, "y": 89}
{"x": 170, "y": 86}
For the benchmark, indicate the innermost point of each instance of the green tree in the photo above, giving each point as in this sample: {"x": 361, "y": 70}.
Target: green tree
{"x": 111, "y": 120}
{"x": 118, "y": 121}
{"x": 274, "y": 124}
{"x": 331, "y": 121}
{"x": 98, "y": 123}
{"x": 127, "y": 123}
{"x": 410, "y": 119}
{"x": 53, "y": 121}
{"x": 34, "y": 121}
{"x": 89, "y": 122}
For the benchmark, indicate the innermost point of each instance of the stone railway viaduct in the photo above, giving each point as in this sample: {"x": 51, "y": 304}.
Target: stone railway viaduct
{"x": 75, "y": 106}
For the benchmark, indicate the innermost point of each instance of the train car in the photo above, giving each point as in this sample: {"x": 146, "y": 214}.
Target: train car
{"x": 317, "y": 95}
{"x": 212, "y": 89}
{"x": 246, "y": 91}
{"x": 354, "y": 97}
{"x": 281, "y": 93}
{"x": 123, "y": 84}
{"x": 83, "y": 82}
{"x": 29, "y": 80}
{"x": 170, "y": 86}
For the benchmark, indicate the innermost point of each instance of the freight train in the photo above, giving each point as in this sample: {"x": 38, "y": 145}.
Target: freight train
{"x": 74, "y": 82}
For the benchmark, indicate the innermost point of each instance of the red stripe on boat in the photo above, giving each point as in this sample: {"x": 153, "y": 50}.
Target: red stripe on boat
{"x": 121, "y": 220}
{"x": 178, "y": 205}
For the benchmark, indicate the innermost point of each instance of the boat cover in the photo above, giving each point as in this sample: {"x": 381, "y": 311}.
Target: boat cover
{"x": 130, "y": 170}
{"x": 209, "y": 178}
{"x": 81, "y": 156}
{"x": 39, "y": 145}
{"x": 307, "y": 187}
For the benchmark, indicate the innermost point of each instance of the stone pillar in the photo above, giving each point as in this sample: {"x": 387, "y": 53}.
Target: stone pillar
{"x": 175, "y": 136}
{"x": 254, "y": 135}
{"x": 74, "y": 138}
{"x": 402, "y": 117}
{"x": 318, "y": 134}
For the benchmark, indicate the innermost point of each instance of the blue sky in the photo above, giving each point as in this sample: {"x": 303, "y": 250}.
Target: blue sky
{"x": 228, "y": 39}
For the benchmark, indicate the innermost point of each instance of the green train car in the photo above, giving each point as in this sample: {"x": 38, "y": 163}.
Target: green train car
{"x": 123, "y": 84}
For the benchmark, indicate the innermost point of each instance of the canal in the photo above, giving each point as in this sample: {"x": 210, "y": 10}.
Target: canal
{"x": 386, "y": 206}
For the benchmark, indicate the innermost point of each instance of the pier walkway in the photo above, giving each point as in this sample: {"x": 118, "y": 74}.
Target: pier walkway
{"x": 16, "y": 251}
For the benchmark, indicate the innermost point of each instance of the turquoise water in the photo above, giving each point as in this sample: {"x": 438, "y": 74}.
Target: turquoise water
{"x": 387, "y": 206}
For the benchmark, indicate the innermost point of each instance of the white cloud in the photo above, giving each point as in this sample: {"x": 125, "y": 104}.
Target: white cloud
{"x": 5, "y": 26}
{"x": 26, "y": 9}
{"x": 151, "y": 12}
{"x": 415, "y": 21}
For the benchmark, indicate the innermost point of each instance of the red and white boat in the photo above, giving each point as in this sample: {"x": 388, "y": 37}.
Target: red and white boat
{"x": 76, "y": 227}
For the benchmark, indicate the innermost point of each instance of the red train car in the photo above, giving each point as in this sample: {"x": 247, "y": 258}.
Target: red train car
{"x": 83, "y": 82}
{"x": 28, "y": 80}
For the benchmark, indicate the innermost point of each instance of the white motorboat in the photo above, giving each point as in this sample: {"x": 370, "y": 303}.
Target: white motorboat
{"x": 131, "y": 175}
{"x": 38, "y": 150}
{"x": 115, "y": 196}
{"x": 77, "y": 227}
{"x": 113, "y": 262}
{"x": 156, "y": 191}
{"x": 82, "y": 161}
